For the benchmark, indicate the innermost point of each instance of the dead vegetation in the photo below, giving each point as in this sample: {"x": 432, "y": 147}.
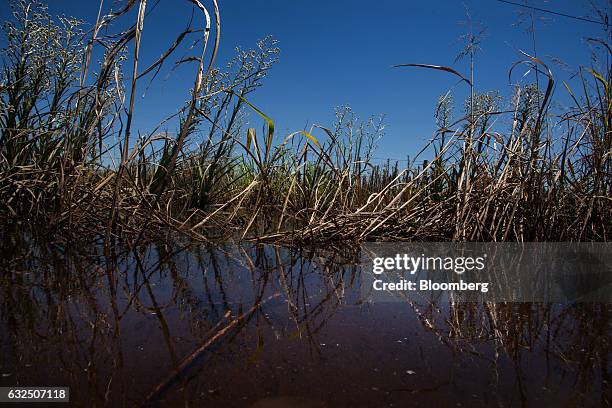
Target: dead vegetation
{"x": 62, "y": 122}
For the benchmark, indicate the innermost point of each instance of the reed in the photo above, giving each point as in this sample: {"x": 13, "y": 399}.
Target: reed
{"x": 546, "y": 178}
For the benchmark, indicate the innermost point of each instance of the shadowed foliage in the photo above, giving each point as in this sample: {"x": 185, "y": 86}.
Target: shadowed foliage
{"x": 69, "y": 156}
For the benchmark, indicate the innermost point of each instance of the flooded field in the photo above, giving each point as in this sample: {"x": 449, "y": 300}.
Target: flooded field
{"x": 265, "y": 326}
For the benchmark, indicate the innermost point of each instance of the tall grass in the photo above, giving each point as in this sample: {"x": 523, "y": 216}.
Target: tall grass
{"x": 547, "y": 177}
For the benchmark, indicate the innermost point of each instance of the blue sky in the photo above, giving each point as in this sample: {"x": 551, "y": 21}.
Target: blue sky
{"x": 340, "y": 52}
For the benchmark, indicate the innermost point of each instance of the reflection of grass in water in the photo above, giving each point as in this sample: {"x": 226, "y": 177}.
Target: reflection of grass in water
{"x": 76, "y": 297}
{"x": 529, "y": 183}
{"x": 577, "y": 335}
{"x": 61, "y": 116}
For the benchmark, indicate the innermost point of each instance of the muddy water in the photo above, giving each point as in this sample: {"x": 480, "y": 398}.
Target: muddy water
{"x": 263, "y": 326}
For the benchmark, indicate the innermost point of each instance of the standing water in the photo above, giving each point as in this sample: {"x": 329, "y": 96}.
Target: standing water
{"x": 264, "y": 326}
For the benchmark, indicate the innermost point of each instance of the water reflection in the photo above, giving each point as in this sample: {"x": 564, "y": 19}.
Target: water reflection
{"x": 241, "y": 325}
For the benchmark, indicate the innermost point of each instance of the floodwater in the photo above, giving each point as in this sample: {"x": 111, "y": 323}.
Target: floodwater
{"x": 264, "y": 326}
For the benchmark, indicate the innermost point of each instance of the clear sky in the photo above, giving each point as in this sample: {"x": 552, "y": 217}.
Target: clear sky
{"x": 340, "y": 52}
